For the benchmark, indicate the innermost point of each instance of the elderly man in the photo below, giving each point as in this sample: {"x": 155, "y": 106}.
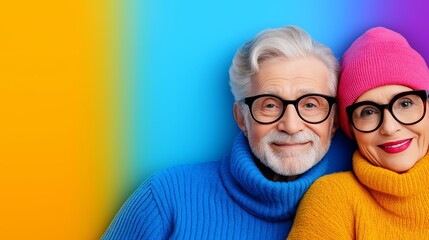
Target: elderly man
{"x": 284, "y": 84}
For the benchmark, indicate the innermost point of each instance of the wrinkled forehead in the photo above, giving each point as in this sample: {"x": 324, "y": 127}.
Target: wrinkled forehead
{"x": 291, "y": 78}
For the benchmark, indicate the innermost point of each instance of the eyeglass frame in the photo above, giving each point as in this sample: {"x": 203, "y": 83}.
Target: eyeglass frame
{"x": 423, "y": 94}
{"x": 250, "y": 100}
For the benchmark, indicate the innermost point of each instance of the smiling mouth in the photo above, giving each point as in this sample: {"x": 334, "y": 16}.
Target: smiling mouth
{"x": 396, "y": 147}
{"x": 281, "y": 144}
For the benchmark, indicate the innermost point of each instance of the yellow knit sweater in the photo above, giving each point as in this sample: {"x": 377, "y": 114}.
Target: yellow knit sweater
{"x": 371, "y": 203}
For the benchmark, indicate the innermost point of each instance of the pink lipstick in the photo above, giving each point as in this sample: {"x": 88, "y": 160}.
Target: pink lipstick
{"x": 397, "y": 146}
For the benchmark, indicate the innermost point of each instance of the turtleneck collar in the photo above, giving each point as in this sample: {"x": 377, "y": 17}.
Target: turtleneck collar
{"x": 264, "y": 198}
{"x": 402, "y": 194}
{"x": 383, "y": 180}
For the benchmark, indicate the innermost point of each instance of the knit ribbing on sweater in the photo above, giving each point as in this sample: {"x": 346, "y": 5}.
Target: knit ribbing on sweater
{"x": 227, "y": 199}
{"x": 372, "y": 203}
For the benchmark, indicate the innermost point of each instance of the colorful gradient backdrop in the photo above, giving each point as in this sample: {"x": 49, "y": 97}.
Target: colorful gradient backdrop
{"x": 97, "y": 95}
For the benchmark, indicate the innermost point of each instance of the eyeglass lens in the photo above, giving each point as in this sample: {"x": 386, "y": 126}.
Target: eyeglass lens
{"x": 408, "y": 109}
{"x": 267, "y": 109}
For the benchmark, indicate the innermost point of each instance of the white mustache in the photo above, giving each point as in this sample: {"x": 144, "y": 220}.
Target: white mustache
{"x": 300, "y": 137}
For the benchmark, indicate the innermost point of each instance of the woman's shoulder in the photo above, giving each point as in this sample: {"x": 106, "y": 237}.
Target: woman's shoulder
{"x": 347, "y": 176}
{"x": 336, "y": 184}
{"x": 327, "y": 209}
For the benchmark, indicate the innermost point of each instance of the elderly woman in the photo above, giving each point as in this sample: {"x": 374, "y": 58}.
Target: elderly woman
{"x": 383, "y": 102}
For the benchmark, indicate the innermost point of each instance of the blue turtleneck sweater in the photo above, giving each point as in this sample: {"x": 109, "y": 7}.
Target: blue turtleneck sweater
{"x": 227, "y": 199}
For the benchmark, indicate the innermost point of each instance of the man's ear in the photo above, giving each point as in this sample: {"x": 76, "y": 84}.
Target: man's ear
{"x": 239, "y": 117}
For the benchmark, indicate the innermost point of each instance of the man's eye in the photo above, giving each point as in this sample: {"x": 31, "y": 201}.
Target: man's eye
{"x": 270, "y": 105}
{"x": 310, "y": 105}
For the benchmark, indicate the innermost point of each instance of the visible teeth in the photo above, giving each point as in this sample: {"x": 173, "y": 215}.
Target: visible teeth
{"x": 396, "y": 145}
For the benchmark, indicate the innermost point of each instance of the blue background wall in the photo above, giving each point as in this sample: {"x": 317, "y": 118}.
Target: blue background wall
{"x": 183, "y": 49}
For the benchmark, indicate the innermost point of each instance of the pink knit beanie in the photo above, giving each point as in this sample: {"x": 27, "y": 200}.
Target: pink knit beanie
{"x": 379, "y": 57}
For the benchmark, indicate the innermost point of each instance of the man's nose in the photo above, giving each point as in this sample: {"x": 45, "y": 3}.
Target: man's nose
{"x": 290, "y": 122}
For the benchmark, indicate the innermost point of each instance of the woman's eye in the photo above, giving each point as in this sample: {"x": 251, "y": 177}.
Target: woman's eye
{"x": 366, "y": 112}
{"x": 406, "y": 103}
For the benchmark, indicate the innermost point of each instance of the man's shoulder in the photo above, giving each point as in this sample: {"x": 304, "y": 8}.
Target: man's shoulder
{"x": 185, "y": 173}
{"x": 191, "y": 168}
{"x": 180, "y": 184}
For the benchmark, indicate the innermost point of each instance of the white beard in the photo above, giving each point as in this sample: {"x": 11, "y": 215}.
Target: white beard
{"x": 292, "y": 162}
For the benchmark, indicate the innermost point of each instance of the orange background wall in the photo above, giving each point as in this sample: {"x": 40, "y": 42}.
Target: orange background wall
{"x": 59, "y": 112}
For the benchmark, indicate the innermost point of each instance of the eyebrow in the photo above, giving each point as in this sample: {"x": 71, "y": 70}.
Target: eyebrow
{"x": 301, "y": 92}
{"x": 307, "y": 91}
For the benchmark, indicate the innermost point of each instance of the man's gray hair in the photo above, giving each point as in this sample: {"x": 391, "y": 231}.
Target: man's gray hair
{"x": 288, "y": 42}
